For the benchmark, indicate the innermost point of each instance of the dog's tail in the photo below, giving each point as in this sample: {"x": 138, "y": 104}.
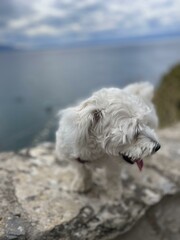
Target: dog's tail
{"x": 143, "y": 89}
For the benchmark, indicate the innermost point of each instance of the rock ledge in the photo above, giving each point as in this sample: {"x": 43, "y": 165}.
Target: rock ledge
{"x": 33, "y": 206}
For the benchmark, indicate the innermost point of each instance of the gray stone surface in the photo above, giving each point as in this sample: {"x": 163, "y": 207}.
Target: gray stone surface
{"x": 161, "y": 222}
{"x": 33, "y": 206}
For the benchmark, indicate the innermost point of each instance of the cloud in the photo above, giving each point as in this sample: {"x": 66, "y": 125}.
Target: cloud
{"x": 41, "y": 30}
{"x": 60, "y": 21}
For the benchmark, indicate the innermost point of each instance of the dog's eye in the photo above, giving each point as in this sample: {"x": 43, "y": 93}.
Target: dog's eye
{"x": 136, "y": 134}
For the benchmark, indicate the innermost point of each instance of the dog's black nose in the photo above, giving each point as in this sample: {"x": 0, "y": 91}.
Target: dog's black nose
{"x": 157, "y": 147}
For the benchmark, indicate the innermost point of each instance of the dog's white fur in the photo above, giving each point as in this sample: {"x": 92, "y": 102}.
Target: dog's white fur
{"x": 111, "y": 123}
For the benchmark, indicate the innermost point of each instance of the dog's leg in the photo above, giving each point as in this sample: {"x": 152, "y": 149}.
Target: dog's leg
{"x": 113, "y": 181}
{"x": 109, "y": 177}
{"x": 76, "y": 177}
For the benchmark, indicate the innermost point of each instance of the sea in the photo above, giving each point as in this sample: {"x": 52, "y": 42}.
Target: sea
{"x": 35, "y": 85}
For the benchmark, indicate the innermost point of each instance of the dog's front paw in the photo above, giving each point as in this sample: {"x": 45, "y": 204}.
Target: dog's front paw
{"x": 76, "y": 178}
{"x": 81, "y": 185}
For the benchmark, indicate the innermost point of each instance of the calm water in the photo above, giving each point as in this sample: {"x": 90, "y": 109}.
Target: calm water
{"x": 34, "y": 85}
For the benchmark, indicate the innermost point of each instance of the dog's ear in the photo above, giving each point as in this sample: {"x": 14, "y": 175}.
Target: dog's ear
{"x": 89, "y": 115}
{"x": 97, "y": 115}
{"x": 142, "y": 89}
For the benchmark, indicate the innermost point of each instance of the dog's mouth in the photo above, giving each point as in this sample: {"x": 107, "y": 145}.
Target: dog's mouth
{"x": 130, "y": 160}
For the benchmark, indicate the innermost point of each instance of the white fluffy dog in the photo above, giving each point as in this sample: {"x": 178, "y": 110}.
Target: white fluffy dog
{"x": 112, "y": 126}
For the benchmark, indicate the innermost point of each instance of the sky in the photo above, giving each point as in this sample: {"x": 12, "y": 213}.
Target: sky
{"x": 44, "y": 23}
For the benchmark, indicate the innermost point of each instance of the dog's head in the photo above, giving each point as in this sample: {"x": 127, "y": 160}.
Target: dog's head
{"x": 119, "y": 124}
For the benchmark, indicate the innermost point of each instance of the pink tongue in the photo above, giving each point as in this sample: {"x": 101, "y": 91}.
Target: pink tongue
{"x": 140, "y": 164}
